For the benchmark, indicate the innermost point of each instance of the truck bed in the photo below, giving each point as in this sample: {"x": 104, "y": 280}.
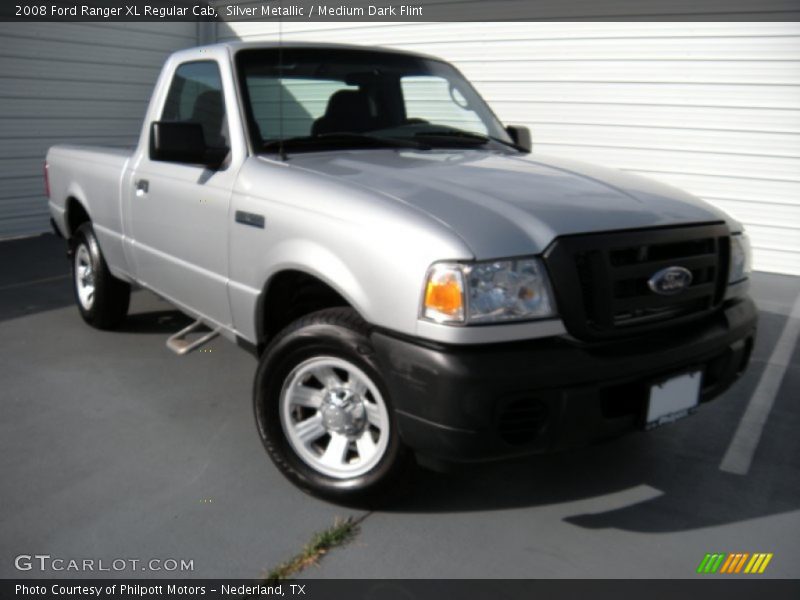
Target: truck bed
{"x": 92, "y": 175}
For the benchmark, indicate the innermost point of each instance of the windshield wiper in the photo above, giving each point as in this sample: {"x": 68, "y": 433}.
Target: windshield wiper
{"x": 478, "y": 139}
{"x": 307, "y": 142}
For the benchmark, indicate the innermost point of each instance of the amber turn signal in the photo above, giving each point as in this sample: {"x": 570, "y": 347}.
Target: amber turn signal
{"x": 444, "y": 294}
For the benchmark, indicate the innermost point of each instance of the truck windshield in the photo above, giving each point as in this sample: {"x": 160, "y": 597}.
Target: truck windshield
{"x": 305, "y": 99}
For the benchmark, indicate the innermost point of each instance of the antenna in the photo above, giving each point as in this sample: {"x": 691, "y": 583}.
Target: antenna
{"x": 281, "y": 151}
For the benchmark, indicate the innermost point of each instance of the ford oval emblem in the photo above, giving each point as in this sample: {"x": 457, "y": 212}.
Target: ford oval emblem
{"x": 670, "y": 281}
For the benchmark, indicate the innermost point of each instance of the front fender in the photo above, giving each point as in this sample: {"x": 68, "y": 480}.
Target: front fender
{"x": 304, "y": 256}
{"x": 318, "y": 261}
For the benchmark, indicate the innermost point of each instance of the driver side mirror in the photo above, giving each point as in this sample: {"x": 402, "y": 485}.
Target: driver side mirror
{"x": 183, "y": 143}
{"x": 521, "y": 136}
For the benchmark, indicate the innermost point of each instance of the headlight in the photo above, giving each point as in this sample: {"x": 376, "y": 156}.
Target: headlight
{"x": 741, "y": 258}
{"x": 488, "y": 292}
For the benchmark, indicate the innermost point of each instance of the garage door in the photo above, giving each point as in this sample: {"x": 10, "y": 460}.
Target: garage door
{"x": 83, "y": 83}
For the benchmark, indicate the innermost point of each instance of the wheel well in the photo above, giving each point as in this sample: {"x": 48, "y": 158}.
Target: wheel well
{"x": 290, "y": 295}
{"x": 76, "y": 216}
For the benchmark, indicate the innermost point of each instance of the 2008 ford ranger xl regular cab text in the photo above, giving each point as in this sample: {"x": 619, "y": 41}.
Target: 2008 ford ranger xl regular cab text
{"x": 414, "y": 281}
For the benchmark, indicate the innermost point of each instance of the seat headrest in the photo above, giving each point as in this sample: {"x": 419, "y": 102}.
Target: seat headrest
{"x": 345, "y": 103}
{"x": 209, "y": 110}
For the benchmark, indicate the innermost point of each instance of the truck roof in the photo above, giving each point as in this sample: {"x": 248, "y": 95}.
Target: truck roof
{"x": 236, "y": 46}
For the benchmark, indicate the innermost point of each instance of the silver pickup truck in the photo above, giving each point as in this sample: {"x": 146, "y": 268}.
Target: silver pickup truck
{"x": 415, "y": 282}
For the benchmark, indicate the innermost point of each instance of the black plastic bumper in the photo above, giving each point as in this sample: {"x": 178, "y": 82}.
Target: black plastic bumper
{"x": 499, "y": 400}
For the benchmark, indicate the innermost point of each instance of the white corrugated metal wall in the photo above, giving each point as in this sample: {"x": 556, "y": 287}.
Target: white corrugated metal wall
{"x": 87, "y": 83}
{"x": 713, "y": 108}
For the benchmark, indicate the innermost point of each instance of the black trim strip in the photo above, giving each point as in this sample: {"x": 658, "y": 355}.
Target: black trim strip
{"x": 248, "y": 218}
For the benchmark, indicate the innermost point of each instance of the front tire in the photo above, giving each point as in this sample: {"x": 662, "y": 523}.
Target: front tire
{"x": 323, "y": 412}
{"x": 102, "y": 299}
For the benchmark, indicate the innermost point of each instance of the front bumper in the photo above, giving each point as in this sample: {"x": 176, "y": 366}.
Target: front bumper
{"x": 472, "y": 403}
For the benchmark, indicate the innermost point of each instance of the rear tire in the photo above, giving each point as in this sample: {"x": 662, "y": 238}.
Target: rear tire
{"x": 102, "y": 299}
{"x": 323, "y": 411}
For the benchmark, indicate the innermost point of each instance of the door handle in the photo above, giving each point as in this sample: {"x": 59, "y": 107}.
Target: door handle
{"x": 142, "y": 187}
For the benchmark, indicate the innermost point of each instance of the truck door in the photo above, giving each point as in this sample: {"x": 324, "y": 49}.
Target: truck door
{"x": 179, "y": 212}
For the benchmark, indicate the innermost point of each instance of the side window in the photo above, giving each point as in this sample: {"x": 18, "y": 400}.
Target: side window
{"x": 431, "y": 99}
{"x": 195, "y": 95}
{"x": 303, "y": 102}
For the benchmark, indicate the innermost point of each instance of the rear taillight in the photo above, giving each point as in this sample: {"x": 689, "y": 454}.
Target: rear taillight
{"x": 46, "y": 179}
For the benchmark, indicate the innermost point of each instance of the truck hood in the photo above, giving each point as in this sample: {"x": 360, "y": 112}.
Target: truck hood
{"x": 507, "y": 205}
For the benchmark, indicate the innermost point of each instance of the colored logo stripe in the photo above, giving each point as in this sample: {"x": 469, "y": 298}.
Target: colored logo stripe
{"x": 726, "y": 566}
{"x": 765, "y": 563}
{"x": 710, "y": 563}
{"x": 701, "y": 568}
{"x": 735, "y": 562}
{"x": 758, "y": 563}
{"x": 717, "y": 563}
{"x": 740, "y": 564}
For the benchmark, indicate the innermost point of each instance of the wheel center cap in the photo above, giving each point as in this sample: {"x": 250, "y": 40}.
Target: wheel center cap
{"x": 343, "y": 412}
